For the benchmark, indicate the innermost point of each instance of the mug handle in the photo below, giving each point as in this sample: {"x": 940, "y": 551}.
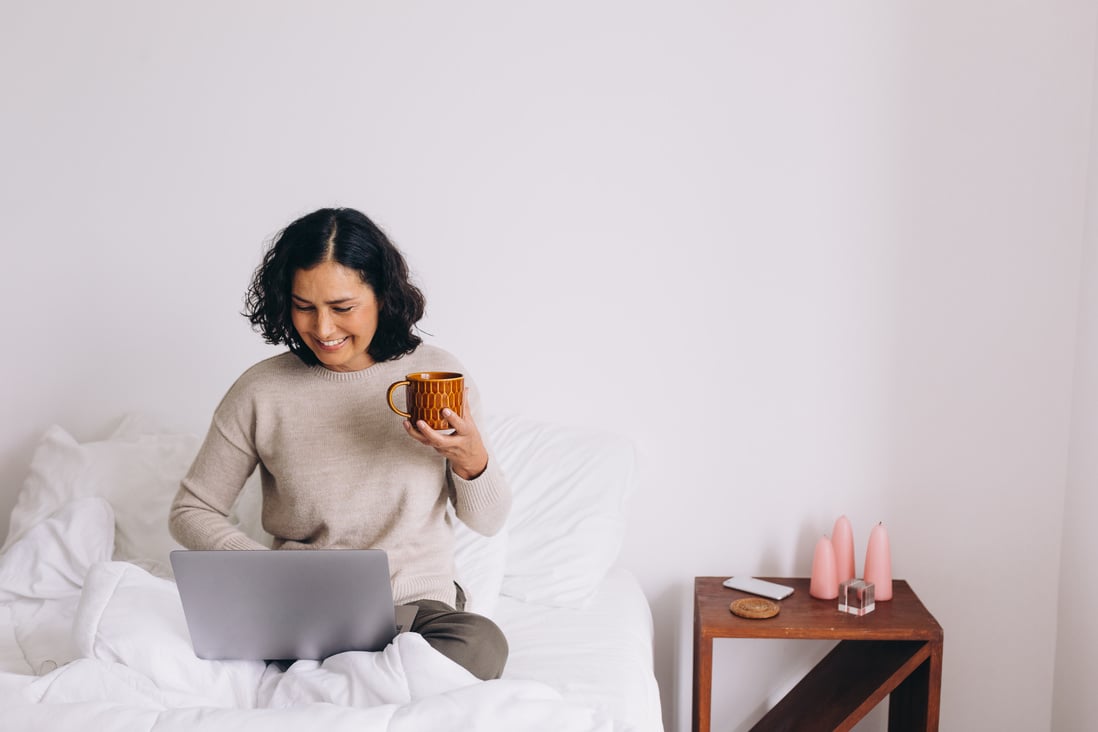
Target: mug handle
{"x": 392, "y": 388}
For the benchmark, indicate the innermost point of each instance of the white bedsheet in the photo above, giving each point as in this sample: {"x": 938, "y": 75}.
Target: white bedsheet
{"x": 90, "y": 643}
{"x": 600, "y": 656}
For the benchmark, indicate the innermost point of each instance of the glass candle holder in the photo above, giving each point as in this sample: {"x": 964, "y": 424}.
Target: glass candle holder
{"x": 856, "y": 597}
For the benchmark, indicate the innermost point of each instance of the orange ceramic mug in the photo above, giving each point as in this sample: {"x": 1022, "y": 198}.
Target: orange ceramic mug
{"x": 427, "y": 393}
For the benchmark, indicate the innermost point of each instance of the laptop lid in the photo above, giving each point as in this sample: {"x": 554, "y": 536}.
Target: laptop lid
{"x": 285, "y": 604}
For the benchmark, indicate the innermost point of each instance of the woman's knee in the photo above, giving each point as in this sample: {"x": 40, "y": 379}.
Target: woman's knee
{"x": 470, "y": 640}
{"x": 489, "y": 657}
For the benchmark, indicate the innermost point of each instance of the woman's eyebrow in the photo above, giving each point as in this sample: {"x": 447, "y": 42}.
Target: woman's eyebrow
{"x": 340, "y": 301}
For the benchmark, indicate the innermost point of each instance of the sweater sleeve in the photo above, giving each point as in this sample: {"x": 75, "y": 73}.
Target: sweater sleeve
{"x": 199, "y": 517}
{"x": 482, "y": 503}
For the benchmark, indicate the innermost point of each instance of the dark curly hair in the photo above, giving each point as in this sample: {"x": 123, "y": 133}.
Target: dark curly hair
{"x": 350, "y": 238}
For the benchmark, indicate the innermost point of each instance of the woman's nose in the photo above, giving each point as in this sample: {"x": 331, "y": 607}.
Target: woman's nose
{"x": 324, "y": 323}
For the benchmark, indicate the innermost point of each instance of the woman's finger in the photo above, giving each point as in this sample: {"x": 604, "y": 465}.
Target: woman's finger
{"x": 416, "y": 434}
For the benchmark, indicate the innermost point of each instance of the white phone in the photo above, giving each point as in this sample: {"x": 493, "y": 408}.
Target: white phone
{"x": 759, "y": 587}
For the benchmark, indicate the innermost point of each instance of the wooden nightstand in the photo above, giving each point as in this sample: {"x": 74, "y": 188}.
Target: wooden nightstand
{"x": 894, "y": 651}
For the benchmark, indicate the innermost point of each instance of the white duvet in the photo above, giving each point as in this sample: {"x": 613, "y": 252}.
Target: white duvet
{"x": 90, "y": 643}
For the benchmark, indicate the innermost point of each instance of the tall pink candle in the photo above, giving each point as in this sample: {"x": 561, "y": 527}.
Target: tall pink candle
{"x": 878, "y": 563}
{"x": 825, "y": 579}
{"x": 842, "y": 538}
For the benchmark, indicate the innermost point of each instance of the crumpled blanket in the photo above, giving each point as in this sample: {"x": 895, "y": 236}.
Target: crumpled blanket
{"x": 104, "y": 645}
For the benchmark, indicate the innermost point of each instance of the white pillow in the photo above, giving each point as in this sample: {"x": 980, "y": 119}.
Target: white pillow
{"x": 567, "y": 522}
{"x": 138, "y": 476}
{"x": 565, "y": 531}
{"x": 137, "y": 471}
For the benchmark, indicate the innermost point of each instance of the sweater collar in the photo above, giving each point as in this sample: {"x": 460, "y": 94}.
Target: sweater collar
{"x": 361, "y": 375}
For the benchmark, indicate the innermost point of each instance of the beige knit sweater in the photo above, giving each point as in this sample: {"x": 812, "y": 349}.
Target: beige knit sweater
{"x": 338, "y": 471}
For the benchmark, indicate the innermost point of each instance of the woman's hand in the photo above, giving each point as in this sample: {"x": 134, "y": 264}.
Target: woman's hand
{"x": 463, "y": 448}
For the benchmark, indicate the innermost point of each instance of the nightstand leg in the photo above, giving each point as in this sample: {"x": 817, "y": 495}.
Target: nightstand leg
{"x": 703, "y": 681}
{"x": 915, "y": 705}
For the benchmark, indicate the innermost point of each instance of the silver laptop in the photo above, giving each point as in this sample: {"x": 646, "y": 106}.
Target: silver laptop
{"x": 287, "y": 604}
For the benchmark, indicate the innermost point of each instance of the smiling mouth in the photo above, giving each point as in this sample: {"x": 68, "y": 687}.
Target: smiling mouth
{"x": 332, "y": 345}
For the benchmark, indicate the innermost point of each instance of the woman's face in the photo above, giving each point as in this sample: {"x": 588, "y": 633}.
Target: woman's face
{"x": 335, "y": 314}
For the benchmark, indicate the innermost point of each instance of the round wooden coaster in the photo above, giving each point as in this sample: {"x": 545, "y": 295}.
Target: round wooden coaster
{"x": 754, "y": 607}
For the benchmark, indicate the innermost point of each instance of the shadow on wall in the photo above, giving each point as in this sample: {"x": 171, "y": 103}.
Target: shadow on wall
{"x": 672, "y": 650}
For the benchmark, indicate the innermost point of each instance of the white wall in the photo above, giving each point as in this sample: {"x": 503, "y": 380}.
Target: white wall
{"x": 1076, "y": 664}
{"x": 1075, "y": 705}
{"x": 813, "y": 258}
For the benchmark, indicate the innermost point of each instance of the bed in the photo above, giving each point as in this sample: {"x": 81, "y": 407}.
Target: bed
{"x": 92, "y": 634}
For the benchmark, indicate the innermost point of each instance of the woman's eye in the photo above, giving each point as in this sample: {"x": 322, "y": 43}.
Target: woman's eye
{"x": 303, "y": 308}
{"x": 342, "y": 310}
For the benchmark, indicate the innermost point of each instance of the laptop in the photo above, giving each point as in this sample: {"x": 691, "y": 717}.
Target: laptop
{"x": 287, "y": 604}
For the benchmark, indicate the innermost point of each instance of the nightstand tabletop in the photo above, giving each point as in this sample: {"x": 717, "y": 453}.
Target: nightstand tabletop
{"x": 904, "y": 617}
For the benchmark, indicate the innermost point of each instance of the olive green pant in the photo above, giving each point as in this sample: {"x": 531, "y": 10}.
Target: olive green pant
{"x": 469, "y": 640}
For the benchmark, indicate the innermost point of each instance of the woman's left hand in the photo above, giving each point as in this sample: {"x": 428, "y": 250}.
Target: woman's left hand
{"x": 463, "y": 448}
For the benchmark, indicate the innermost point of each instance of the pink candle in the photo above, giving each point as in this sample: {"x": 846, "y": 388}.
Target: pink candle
{"x": 878, "y": 563}
{"x": 825, "y": 579}
{"x": 842, "y": 538}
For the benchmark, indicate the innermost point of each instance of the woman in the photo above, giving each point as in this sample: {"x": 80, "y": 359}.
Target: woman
{"x": 337, "y": 467}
